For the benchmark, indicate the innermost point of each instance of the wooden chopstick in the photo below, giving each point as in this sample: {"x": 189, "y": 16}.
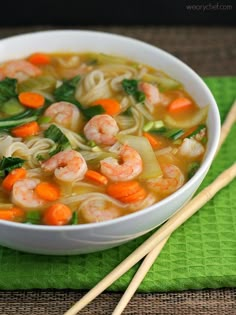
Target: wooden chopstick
{"x": 170, "y": 226}
{"x": 159, "y": 236}
{"x": 152, "y": 256}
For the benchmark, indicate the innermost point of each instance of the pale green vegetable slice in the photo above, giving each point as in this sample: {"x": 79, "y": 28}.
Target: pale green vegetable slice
{"x": 164, "y": 83}
{"x": 197, "y": 119}
{"x": 151, "y": 167}
{"x": 41, "y": 83}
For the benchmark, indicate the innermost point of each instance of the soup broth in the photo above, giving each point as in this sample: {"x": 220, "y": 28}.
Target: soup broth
{"x": 90, "y": 137}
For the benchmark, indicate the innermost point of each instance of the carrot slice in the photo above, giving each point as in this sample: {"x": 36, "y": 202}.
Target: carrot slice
{"x": 96, "y": 176}
{"x": 31, "y": 99}
{"x": 47, "y": 191}
{"x": 127, "y": 192}
{"x": 153, "y": 141}
{"x": 12, "y": 177}
{"x": 138, "y": 196}
{"x": 180, "y": 104}
{"x": 57, "y": 214}
{"x": 29, "y": 129}
{"x": 111, "y": 106}
{"x": 11, "y": 214}
{"x": 40, "y": 59}
{"x": 122, "y": 189}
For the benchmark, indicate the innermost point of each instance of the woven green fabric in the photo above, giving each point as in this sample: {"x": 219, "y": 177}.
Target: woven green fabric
{"x": 200, "y": 254}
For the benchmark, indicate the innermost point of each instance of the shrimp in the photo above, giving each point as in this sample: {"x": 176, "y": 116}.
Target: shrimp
{"x": 151, "y": 92}
{"x": 65, "y": 114}
{"x": 19, "y": 69}
{"x": 98, "y": 211}
{"x": 23, "y": 194}
{"x": 68, "y": 166}
{"x": 102, "y": 129}
{"x": 191, "y": 148}
{"x": 171, "y": 180}
{"x": 131, "y": 166}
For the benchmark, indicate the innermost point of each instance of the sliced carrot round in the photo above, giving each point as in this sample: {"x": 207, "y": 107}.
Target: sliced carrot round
{"x": 40, "y": 59}
{"x": 11, "y": 214}
{"x": 111, "y": 106}
{"x": 31, "y": 99}
{"x": 47, "y": 191}
{"x": 96, "y": 176}
{"x": 180, "y": 104}
{"x": 13, "y": 177}
{"x": 122, "y": 189}
{"x": 26, "y": 130}
{"x": 137, "y": 196}
{"x": 57, "y": 214}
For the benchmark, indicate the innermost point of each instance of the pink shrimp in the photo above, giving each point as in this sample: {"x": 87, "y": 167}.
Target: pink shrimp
{"x": 23, "y": 194}
{"x": 68, "y": 166}
{"x": 102, "y": 129}
{"x": 131, "y": 165}
{"x": 171, "y": 180}
{"x": 65, "y": 114}
{"x": 98, "y": 211}
{"x": 151, "y": 92}
{"x": 19, "y": 69}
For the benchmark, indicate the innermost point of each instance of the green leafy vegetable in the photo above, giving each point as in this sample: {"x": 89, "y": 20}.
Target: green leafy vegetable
{"x": 7, "y": 89}
{"x": 33, "y": 217}
{"x": 131, "y": 88}
{"x": 93, "y": 111}
{"x": 39, "y": 83}
{"x": 7, "y": 164}
{"x": 192, "y": 169}
{"x": 61, "y": 141}
{"x": 66, "y": 92}
{"x": 22, "y": 118}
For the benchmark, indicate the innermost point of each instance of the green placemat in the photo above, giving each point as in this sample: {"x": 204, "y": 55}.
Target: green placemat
{"x": 200, "y": 254}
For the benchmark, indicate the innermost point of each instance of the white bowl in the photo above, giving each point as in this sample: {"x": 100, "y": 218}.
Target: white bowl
{"x": 78, "y": 239}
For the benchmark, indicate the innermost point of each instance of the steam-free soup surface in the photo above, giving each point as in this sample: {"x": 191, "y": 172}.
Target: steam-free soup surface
{"x": 91, "y": 137}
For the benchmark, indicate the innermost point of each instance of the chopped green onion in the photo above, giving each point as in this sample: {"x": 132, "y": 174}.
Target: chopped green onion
{"x": 33, "y": 217}
{"x": 74, "y": 219}
{"x": 153, "y": 125}
{"x": 148, "y": 126}
{"x": 158, "y": 124}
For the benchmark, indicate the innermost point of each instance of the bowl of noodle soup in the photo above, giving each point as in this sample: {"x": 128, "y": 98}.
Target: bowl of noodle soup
{"x": 102, "y": 139}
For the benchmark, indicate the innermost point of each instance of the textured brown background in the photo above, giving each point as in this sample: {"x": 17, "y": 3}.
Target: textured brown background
{"x": 210, "y": 51}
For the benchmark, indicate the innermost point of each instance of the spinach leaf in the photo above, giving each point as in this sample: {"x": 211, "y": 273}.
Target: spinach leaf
{"x": 55, "y": 134}
{"x": 66, "y": 92}
{"x": 7, "y": 164}
{"x": 131, "y": 88}
{"x": 7, "y": 90}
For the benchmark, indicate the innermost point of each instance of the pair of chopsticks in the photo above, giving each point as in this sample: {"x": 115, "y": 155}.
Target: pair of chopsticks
{"x": 153, "y": 246}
